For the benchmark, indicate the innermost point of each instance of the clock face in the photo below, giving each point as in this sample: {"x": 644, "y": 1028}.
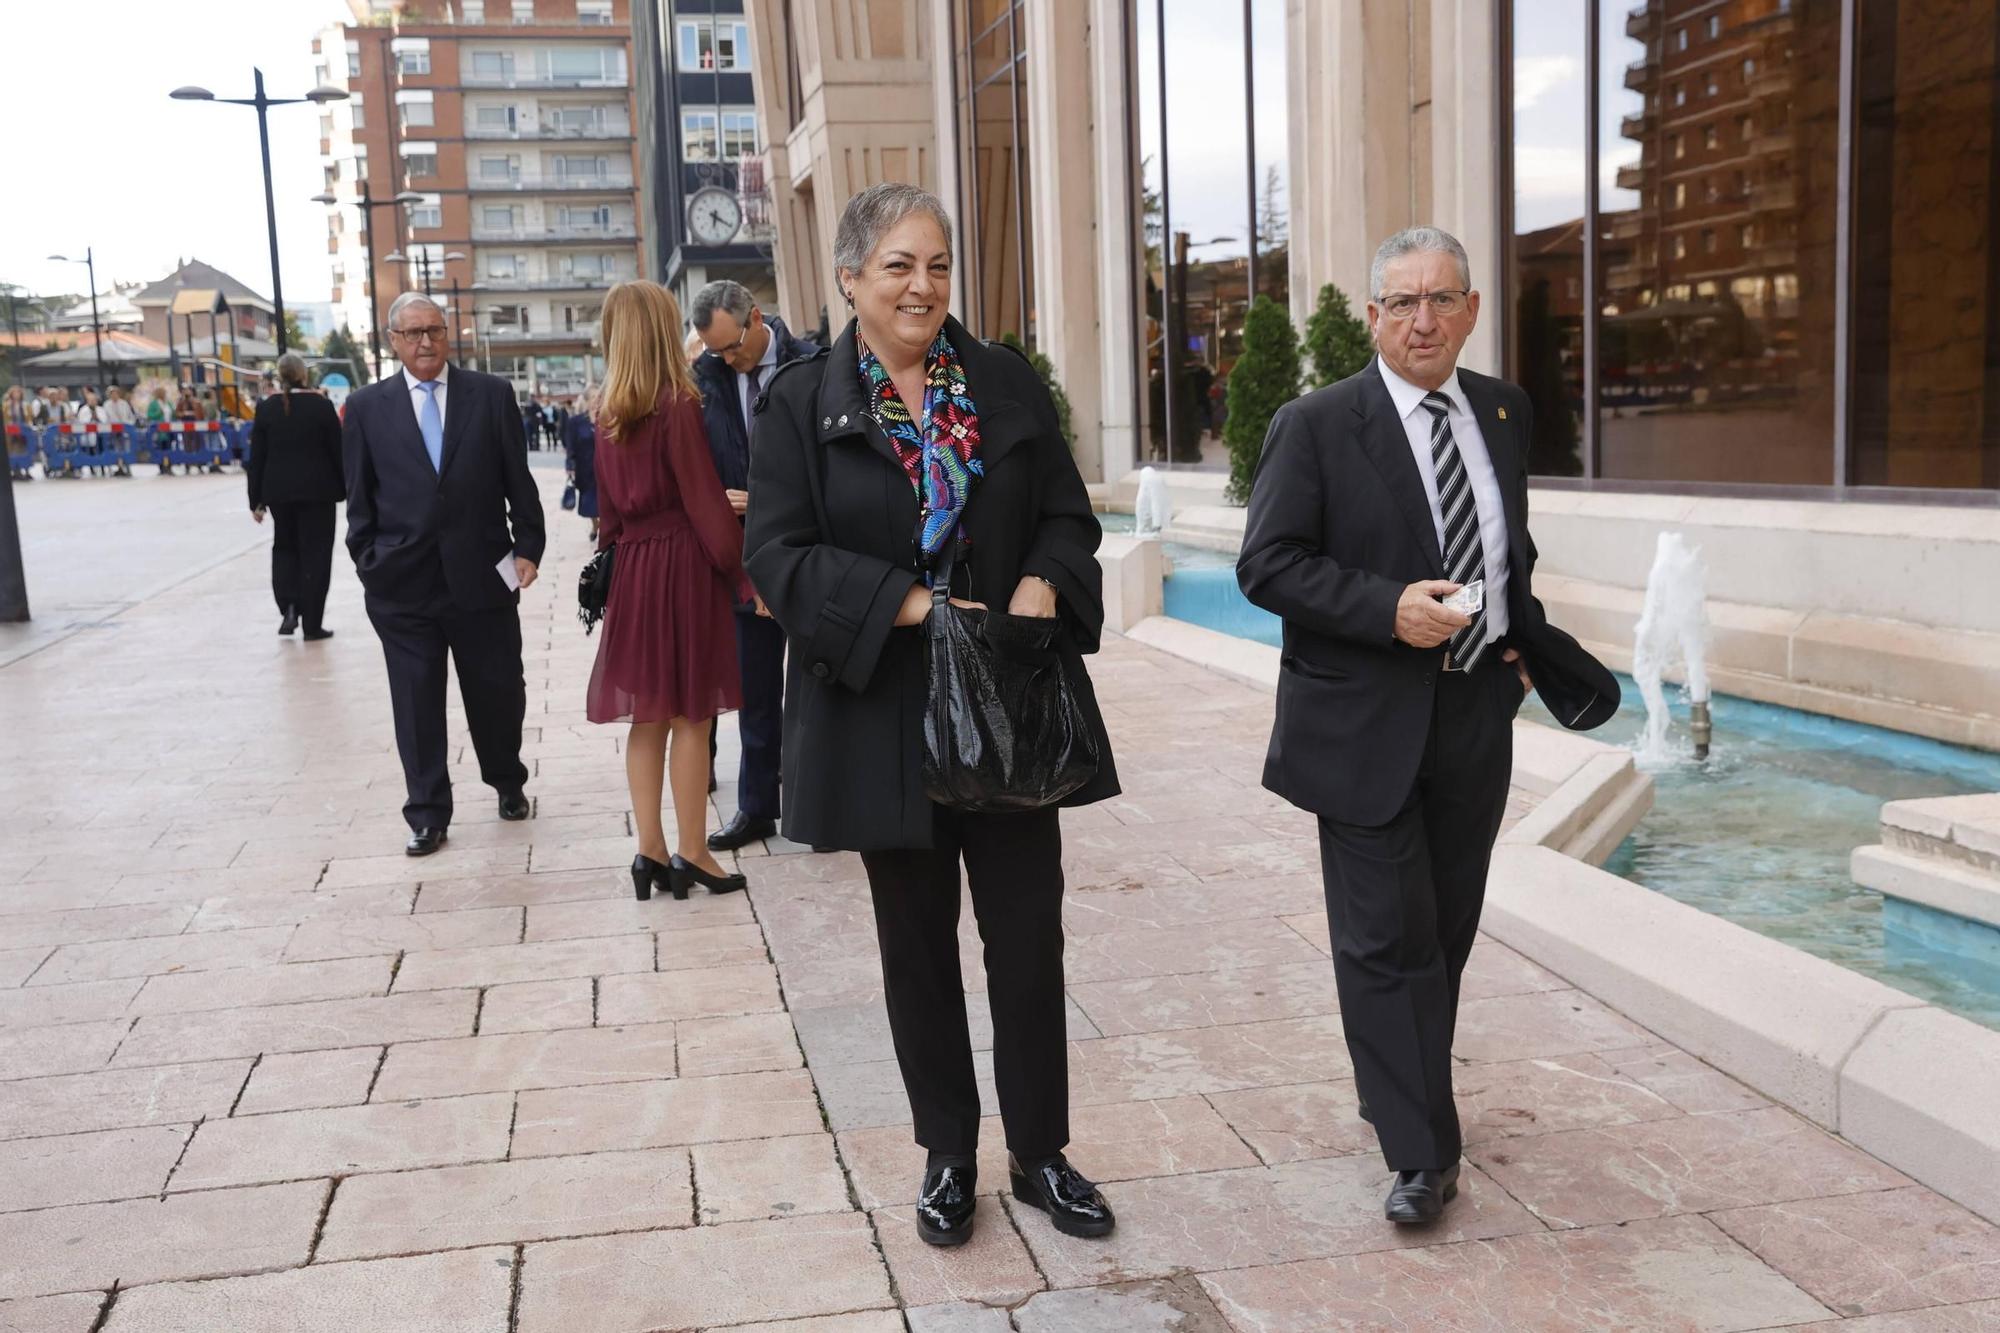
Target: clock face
{"x": 714, "y": 216}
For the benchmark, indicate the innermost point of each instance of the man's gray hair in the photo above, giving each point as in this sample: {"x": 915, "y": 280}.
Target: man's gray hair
{"x": 732, "y": 298}
{"x": 1413, "y": 241}
{"x": 873, "y": 212}
{"x": 405, "y": 301}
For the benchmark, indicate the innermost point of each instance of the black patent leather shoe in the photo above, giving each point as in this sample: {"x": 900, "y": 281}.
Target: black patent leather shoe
{"x": 1060, "y": 1190}
{"x": 947, "y": 1204}
{"x": 514, "y": 804}
{"x": 317, "y": 635}
{"x": 741, "y": 831}
{"x": 424, "y": 841}
{"x": 290, "y": 622}
{"x": 680, "y": 874}
{"x": 1418, "y": 1197}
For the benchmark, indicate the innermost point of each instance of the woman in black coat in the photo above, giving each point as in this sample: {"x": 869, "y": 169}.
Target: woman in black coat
{"x": 853, "y": 497}
{"x": 294, "y": 471}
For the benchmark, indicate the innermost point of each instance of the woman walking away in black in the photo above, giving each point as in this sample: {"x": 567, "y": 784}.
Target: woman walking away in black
{"x": 294, "y": 471}
{"x": 911, "y": 447}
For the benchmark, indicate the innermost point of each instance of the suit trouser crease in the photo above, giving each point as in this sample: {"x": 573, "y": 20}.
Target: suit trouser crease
{"x": 302, "y": 557}
{"x": 1403, "y": 902}
{"x": 485, "y": 647}
{"x": 760, "y": 651}
{"x": 1013, "y": 866}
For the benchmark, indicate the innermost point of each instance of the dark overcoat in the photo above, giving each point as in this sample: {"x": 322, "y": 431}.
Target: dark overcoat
{"x": 831, "y": 547}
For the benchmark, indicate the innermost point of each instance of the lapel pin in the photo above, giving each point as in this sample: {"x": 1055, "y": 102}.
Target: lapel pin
{"x": 1503, "y": 414}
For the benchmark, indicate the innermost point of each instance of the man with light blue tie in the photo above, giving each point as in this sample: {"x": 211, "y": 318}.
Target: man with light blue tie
{"x": 445, "y": 525}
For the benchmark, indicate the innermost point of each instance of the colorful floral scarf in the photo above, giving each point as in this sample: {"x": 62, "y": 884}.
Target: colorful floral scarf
{"x": 942, "y": 456}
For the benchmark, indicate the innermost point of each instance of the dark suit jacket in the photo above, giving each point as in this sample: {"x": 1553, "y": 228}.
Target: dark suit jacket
{"x": 1338, "y": 526}
{"x": 295, "y": 453}
{"x": 831, "y": 547}
{"x": 721, "y": 403}
{"x": 415, "y": 531}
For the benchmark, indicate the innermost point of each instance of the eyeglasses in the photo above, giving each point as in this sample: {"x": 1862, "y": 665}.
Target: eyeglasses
{"x": 740, "y": 338}
{"x": 1402, "y": 305}
{"x": 429, "y": 333}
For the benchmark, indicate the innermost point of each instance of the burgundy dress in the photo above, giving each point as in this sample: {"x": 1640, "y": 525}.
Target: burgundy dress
{"x": 668, "y": 647}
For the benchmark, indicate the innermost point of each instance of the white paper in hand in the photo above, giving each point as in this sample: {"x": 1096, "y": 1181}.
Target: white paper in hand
{"x": 507, "y": 574}
{"x": 1469, "y": 600}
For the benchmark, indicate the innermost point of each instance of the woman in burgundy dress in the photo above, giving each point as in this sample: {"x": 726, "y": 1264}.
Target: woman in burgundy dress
{"x": 667, "y": 658}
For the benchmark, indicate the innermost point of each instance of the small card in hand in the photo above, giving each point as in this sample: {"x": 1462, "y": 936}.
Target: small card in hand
{"x": 1469, "y": 600}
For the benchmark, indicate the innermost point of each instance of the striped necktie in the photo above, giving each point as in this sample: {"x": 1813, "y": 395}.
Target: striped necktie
{"x": 1464, "y": 558}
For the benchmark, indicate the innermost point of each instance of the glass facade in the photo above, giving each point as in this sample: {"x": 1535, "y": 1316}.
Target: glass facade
{"x": 1677, "y": 311}
{"x": 990, "y": 72}
{"x": 1212, "y": 207}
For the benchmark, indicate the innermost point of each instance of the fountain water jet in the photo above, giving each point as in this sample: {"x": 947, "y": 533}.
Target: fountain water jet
{"x": 1153, "y": 510}
{"x": 1673, "y": 626}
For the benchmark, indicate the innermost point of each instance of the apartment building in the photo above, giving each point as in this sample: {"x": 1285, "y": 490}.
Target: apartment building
{"x": 489, "y": 147}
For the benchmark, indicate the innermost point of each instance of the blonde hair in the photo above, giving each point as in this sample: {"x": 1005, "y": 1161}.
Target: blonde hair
{"x": 643, "y": 356}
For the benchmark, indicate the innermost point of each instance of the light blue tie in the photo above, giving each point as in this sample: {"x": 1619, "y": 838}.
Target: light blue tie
{"x": 431, "y": 422}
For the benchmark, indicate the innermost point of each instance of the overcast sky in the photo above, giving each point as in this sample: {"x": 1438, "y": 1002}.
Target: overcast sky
{"x": 144, "y": 180}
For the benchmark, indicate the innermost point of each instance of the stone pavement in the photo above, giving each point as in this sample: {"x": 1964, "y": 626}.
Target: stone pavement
{"x": 259, "y": 1071}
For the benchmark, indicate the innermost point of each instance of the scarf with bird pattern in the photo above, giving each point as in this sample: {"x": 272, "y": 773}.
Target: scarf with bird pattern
{"x": 942, "y": 455}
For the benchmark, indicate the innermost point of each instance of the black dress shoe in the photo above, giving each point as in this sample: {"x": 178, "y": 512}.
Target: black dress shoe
{"x": 290, "y": 622}
{"x": 514, "y": 804}
{"x": 646, "y": 873}
{"x": 741, "y": 831}
{"x": 1059, "y": 1189}
{"x": 946, "y": 1205}
{"x": 315, "y": 635}
{"x": 1418, "y": 1197}
{"x": 680, "y": 874}
{"x": 424, "y": 841}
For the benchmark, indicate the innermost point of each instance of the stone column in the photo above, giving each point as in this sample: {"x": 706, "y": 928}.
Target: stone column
{"x": 1465, "y": 128}
{"x": 1115, "y": 187}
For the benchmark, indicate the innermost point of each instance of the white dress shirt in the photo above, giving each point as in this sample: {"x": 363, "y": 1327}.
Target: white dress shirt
{"x": 417, "y": 395}
{"x": 1416, "y": 418}
{"x": 747, "y": 386}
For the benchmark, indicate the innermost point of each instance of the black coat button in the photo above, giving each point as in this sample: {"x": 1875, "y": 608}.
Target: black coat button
{"x": 822, "y": 670}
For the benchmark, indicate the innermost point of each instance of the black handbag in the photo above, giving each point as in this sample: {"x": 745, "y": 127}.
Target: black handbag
{"x": 593, "y": 588}
{"x": 569, "y": 496}
{"x": 1003, "y": 730}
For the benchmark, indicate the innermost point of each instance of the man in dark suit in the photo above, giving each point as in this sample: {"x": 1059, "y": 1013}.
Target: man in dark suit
{"x": 437, "y": 470}
{"x": 744, "y": 348}
{"x": 1375, "y": 499}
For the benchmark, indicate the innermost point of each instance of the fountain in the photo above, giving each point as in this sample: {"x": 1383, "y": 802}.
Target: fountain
{"x": 1152, "y": 511}
{"x": 1673, "y": 626}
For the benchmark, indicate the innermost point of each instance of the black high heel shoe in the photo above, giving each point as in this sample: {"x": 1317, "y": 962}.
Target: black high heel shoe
{"x": 683, "y": 873}
{"x": 646, "y": 872}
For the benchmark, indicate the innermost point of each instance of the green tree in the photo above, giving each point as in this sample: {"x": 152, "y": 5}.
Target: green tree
{"x": 1336, "y": 341}
{"x": 295, "y": 337}
{"x": 1264, "y": 379}
{"x": 1047, "y": 370}
{"x": 340, "y": 346}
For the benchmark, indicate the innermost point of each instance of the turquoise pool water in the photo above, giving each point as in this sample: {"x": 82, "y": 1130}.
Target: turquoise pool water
{"x": 1760, "y": 834}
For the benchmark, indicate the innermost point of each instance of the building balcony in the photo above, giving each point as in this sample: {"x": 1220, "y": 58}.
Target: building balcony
{"x": 511, "y": 335}
{"x": 576, "y": 231}
{"x": 1640, "y": 74}
{"x": 1771, "y": 81}
{"x": 1637, "y": 125}
{"x": 1632, "y": 175}
{"x": 1628, "y": 225}
{"x": 557, "y": 283}
{"x": 1639, "y": 22}
{"x": 1774, "y": 197}
{"x": 1776, "y": 254}
{"x": 1624, "y": 277}
{"x": 619, "y": 129}
{"x": 530, "y": 182}
{"x": 471, "y": 80}
{"x": 1773, "y": 143}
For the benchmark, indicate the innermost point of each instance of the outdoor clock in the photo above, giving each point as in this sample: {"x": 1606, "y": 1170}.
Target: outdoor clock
{"x": 714, "y": 216}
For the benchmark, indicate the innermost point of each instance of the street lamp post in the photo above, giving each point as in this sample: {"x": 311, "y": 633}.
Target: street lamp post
{"x": 422, "y": 259}
{"x": 263, "y": 104}
{"x": 368, "y": 206}
{"x": 89, "y": 262}
{"x": 13, "y": 581}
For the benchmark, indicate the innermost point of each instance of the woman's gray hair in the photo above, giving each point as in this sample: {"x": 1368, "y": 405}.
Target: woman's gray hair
{"x": 292, "y": 370}
{"x": 873, "y": 212}
{"x": 1412, "y": 241}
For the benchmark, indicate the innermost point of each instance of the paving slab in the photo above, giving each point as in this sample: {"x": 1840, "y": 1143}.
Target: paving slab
{"x": 451, "y": 969}
{"x": 748, "y": 1179}
{"x": 350, "y": 937}
{"x": 538, "y": 1006}
{"x": 278, "y": 983}
{"x": 665, "y": 1113}
{"x": 288, "y": 1145}
{"x": 510, "y": 1062}
{"x": 75, "y": 1313}
{"x": 993, "y": 1268}
{"x": 120, "y": 1098}
{"x": 310, "y": 1079}
{"x": 88, "y": 1168}
{"x": 462, "y": 1292}
{"x": 323, "y": 1025}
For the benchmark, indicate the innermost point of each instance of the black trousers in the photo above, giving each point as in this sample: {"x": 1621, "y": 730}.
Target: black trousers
{"x": 485, "y": 646}
{"x": 1403, "y": 902}
{"x": 760, "y": 656}
{"x": 1014, "y": 866}
{"x": 302, "y": 557}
